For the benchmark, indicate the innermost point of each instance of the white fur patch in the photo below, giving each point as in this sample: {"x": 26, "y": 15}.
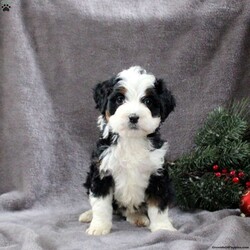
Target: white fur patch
{"x": 159, "y": 220}
{"x": 136, "y": 80}
{"x": 131, "y": 162}
{"x": 103, "y": 126}
{"x": 101, "y": 122}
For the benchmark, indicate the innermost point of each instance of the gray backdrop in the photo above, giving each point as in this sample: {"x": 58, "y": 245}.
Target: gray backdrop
{"x": 53, "y": 53}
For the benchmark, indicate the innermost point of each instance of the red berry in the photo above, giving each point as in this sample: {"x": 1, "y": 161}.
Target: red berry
{"x": 241, "y": 174}
{"x": 248, "y": 184}
{"x": 224, "y": 171}
{"x": 236, "y": 180}
{"x": 232, "y": 173}
{"x": 218, "y": 174}
{"x": 215, "y": 167}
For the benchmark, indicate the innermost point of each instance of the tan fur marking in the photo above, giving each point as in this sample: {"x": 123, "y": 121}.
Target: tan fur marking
{"x": 107, "y": 115}
{"x": 153, "y": 202}
{"x": 122, "y": 90}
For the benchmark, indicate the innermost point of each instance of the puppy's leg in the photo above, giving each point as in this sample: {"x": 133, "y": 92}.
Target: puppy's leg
{"x": 159, "y": 219}
{"x": 102, "y": 215}
{"x": 138, "y": 219}
{"x": 100, "y": 190}
{"x": 86, "y": 216}
{"x": 159, "y": 194}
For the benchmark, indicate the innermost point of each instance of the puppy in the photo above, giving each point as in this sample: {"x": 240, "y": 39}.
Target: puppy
{"x": 127, "y": 172}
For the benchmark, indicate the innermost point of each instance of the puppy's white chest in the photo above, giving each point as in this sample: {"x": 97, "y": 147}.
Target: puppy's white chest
{"x": 130, "y": 185}
{"x": 131, "y": 162}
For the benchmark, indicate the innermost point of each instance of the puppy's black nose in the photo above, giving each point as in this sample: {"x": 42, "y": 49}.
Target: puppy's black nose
{"x": 133, "y": 118}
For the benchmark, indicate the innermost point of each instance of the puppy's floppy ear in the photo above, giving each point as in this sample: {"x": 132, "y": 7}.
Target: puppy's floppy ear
{"x": 101, "y": 93}
{"x": 167, "y": 100}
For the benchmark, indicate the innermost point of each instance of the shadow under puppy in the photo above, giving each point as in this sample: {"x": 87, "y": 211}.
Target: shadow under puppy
{"x": 127, "y": 172}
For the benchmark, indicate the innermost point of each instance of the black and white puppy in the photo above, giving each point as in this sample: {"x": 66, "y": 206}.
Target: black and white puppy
{"x": 127, "y": 172}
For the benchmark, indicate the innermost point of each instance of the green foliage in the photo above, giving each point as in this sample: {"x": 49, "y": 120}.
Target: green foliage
{"x": 223, "y": 140}
{"x": 221, "y": 128}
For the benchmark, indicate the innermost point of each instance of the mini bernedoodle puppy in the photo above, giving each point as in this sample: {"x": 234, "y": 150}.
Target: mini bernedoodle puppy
{"x": 127, "y": 172}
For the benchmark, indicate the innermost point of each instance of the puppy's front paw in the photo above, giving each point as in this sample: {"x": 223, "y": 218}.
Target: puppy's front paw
{"x": 161, "y": 226}
{"x": 99, "y": 228}
{"x": 86, "y": 216}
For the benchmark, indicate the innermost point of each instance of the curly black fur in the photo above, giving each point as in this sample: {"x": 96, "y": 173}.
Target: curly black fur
{"x": 166, "y": 98}
{"x": 160, "y": 189}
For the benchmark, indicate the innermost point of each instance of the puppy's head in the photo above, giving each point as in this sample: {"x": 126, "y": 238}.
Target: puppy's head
{"x": 133, "y": 103}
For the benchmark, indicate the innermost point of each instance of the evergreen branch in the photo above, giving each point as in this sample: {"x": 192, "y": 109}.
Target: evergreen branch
{"x": 224, "y": 140}
{"x": 233, "y": 153}
{"x": 240, "y": 108}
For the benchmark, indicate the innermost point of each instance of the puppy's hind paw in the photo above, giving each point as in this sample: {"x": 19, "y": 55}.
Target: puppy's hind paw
{"x": 86, "y": 216}
{"x": 140, "y": 220}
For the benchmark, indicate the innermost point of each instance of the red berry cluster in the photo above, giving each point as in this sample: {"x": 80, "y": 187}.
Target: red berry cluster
{"x": 236, "y": 176}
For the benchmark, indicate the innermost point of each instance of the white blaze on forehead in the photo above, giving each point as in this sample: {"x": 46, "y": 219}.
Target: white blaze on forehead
{"x": 136, "y": 81}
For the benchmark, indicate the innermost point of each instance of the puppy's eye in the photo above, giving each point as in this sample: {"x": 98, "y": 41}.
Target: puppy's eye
{"x": 147, "y": 101}
{"x": 120, "y": 100}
